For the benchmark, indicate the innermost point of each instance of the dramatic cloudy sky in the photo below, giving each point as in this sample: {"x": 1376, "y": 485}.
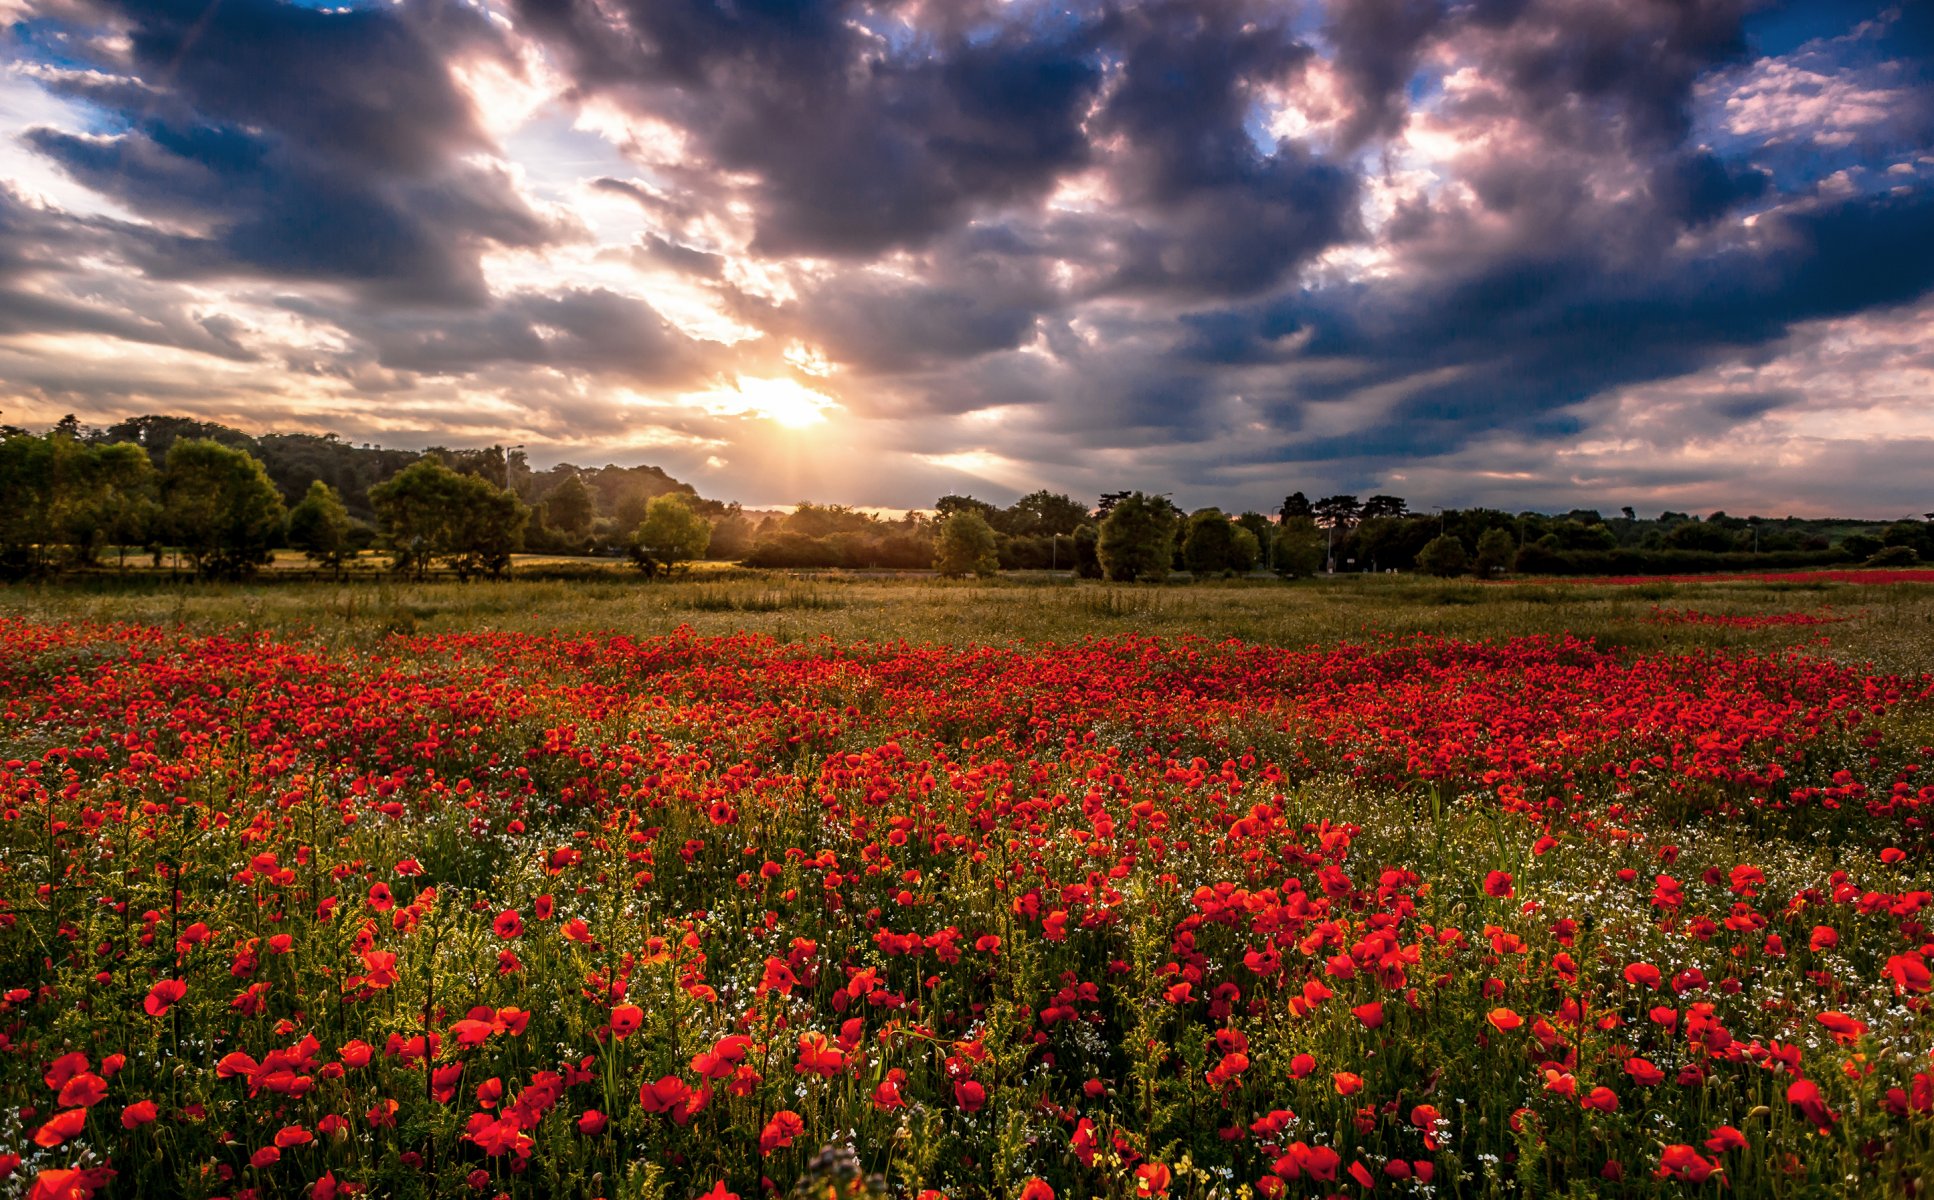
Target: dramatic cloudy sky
{"x": 1534, "y": 253}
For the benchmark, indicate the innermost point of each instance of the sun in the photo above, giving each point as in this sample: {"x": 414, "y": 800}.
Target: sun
{"x": 785, "y": 402}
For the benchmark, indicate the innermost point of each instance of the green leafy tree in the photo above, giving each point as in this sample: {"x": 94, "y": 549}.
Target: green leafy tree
{"x": 1495, "y": 550}
{"x": 1442, "y": 556}
{"x": 26, "y": 499}
{"x": 1298, "y": 549}
{"x": 570, "y": 509}
{"x": 1137, "y": 539}
{"x": 486, "y": 526}
{"x": 319, "y": 527}
{"x": 1295, "y": 505}
{"x": 964, "y": 545}
{"x": 1044, "y": 513}
{"x": 122, "y": 498}
{"x": 1208, "y": 547}
{"x": 671, "y": 534}
{"x": 1245, "y": 548}
{"x": 427, "y": 512}
{"x": 220, "y": 507}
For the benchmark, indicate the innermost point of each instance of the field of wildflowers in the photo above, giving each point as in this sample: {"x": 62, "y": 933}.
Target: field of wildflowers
{"x": 482, "y": 914}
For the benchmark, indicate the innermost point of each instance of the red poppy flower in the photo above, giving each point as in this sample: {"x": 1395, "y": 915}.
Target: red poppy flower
{"x": 61, "y": 1127}
{"x": 164, "y": 995}
{"x": 780, "y": 1131}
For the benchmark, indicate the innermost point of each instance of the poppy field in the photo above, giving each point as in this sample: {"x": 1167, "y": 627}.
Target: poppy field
{"x": 587, "y": 915}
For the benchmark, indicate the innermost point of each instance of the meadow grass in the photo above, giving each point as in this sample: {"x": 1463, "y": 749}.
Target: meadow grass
{"x": 1891, "y": 627}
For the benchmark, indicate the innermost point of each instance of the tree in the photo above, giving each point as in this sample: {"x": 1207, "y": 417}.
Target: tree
{"x": 1044, "y": 513}
{"x": 428, "y": 512}
{"x": 964, "y": 544}
{"x": 485, "y": 527}
{"x": 1244, "y": 549}
{"x": 948, "y": 505}
{"x": 411, "y": 508}
{"x": 1137, "y": 539}
{"x": 1087, "y": 551}
{"x": 1298, "y": 548}
{"x": 1295, "y": 505}
{"x": 670, "y": 535}
{"x": 1385, "y": 506}
{"x": 220, "y": 507}
{"x": 319, "y": 527}
{"x": 1337, "y": 512}
{"x": 1494, "y": 552}
{"x": 570, "y": 508}
{"x": 1208, "y": 547}
{"x": 123, "y": 496}
{"x": 1442, "y": 556}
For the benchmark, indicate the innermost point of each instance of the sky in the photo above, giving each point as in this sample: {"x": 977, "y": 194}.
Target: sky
{"x": 1673, "y": 254}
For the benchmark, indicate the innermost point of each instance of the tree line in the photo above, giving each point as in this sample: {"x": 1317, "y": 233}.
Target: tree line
{"x": 221, "y": 501}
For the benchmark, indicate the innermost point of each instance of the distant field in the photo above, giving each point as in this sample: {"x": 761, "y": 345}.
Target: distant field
{"x": 1888, "y": 624}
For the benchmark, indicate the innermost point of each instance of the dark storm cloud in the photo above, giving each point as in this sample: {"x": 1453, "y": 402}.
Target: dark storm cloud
{"x": 1204, "y": 210}
{"x": 1538, "y": 335}
{"x": 619, "y": 337}
{"x": 296, "y": 143}
{"x": 856, "y": 145}
{"x": 45, "y": 290}
{"x": 1377, "y": 44}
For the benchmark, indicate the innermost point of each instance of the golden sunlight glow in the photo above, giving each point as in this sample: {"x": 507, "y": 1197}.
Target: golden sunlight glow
{"x": 784, "y": 402}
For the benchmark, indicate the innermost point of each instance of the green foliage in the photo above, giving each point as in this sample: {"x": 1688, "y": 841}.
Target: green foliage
{"x": 570, "y": 508}
{"x": 1087, "y": 551}
{"x": 1895, "y": 556}
{"x": 1245, "y": 548}
{"x": 1692, "y": 535}
{"x": 964, "y": 545}
{"x": 319, "y": 527}
{"x": 671, "y": 534}
{"x": 429, "y": 513}
{"x": 1209, "y": 546}
{"x": 220, "y": 507}
{"x": 63, "y": 500}
{"x": 1137, "y": 539}
{"x": 1494, "y": 551}
{"x": 1443, "y": 556}
{"x": 1298, "y": 549}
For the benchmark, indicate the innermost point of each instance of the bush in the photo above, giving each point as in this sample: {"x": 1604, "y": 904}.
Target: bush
{"x": 1895, "y": 556}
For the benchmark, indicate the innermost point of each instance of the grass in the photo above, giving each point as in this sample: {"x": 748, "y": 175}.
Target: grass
{"x": 1891, "y": 627}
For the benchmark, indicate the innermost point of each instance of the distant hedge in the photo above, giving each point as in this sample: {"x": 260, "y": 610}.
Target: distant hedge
{"x": 1538, "y": 560}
